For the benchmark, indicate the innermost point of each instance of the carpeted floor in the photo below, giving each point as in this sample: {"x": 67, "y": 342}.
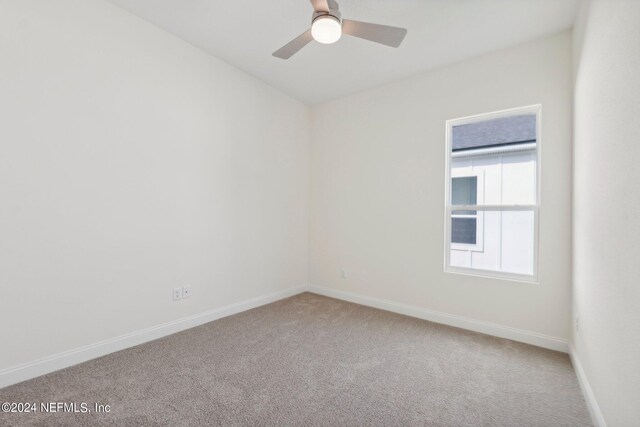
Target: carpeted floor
{"x": 312, "y": 360}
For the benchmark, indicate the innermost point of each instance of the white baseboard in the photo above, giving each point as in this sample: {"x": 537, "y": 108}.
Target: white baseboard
{"x": 590, "y": 398}
{"x": 25, "y": 371}
{"x": 533, "y": 338}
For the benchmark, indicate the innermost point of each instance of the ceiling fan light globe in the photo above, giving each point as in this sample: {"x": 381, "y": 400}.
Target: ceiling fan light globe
{"x": 326, "y": 30}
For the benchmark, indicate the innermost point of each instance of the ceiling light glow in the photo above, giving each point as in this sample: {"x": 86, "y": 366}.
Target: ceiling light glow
{"x": 326, "y": 29}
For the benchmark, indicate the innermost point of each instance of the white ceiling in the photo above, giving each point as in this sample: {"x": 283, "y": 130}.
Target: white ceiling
{"x": 244, "y": 33}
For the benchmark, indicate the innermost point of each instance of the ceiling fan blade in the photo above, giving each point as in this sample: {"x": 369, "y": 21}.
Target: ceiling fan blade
{"x": 289, "y": 49}
{"x": 320, "y": 5}
{"x": 333, "y": 5}
{"x": 383, "y": 34}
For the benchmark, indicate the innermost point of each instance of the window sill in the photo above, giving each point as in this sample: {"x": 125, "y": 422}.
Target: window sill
{"x": 488, "y": 274}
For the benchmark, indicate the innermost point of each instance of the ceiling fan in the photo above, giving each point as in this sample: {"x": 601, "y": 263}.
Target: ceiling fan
{"x": 327, "y": 27}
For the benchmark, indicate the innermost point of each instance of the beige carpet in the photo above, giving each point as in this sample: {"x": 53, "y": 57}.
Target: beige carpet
{"x": 312, "y": 360}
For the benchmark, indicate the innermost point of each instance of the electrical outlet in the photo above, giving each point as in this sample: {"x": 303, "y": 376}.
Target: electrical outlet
{"x": 577, "y": 323}
{"x": 177, "y": 294}
{"x": 344, "y": 274}
{"x": 186, "y": 292}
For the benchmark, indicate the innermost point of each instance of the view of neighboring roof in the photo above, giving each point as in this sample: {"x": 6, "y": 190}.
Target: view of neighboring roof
{"x": 495, "y": 132}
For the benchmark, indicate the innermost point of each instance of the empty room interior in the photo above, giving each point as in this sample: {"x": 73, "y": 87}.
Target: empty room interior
{"x": 325, "y": 212}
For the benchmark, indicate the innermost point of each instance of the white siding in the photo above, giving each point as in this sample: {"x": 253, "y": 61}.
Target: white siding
{"x": 506, "y": 241}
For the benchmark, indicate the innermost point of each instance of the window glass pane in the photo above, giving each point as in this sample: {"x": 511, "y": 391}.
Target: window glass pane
{"x": 507, "y": 242}
{"x": 463, "y": 230}
{"x": 504, "y": 152}
{"x": 464, "y": 190}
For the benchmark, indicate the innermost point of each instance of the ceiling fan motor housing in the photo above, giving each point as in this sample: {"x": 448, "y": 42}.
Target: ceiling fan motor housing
{"x": 333, "y": 13}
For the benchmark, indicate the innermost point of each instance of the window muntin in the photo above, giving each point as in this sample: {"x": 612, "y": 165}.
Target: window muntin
{"x": 502, "y": 150}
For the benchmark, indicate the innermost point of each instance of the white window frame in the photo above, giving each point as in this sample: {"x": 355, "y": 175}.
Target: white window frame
{"x": 479, "y": 216}
{"x": 535, "y": 208}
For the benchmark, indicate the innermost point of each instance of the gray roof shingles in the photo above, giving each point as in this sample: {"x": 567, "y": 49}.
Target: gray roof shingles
{"x": 495, "y": 132}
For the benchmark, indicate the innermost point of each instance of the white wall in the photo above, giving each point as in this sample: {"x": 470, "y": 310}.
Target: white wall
{"x": 606, "y": 231}
{"x": 130, "y": 163}
{"x": 377, "y": 188}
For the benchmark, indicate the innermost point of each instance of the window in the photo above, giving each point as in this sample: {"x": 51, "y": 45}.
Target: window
{"x": 467, "y": 225}
{"x": 492, "y": 194}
